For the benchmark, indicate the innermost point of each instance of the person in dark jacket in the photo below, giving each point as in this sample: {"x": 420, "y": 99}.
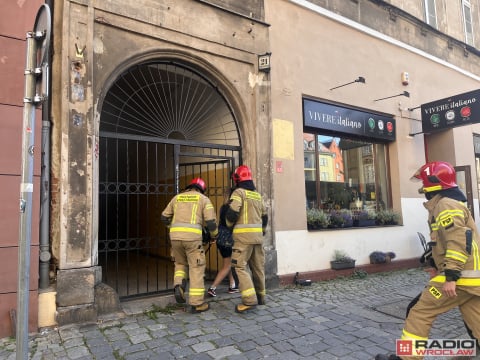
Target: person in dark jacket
{"x": 226, "y": 253}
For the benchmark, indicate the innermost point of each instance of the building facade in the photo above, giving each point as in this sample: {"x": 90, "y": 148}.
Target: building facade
{"x": 359, "y": 77}
{"x": 157, "y": 94}
{"x": 324, "y": 100}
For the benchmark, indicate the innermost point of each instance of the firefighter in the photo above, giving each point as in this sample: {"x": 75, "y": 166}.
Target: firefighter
{"x": 455, "y": 251}
{"x": 185, "y": 216}
{"x": 247, "y": 217}
{"x": 427, "y": 260}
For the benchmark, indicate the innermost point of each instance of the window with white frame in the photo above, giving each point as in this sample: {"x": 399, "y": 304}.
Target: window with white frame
{"x": 430, "y": 13}
{"x": 467, "y": 21}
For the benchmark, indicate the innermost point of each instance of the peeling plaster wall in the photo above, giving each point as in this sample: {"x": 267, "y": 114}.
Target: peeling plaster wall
{"x": 99, "y": 40}
{"x": 75, "y": 190}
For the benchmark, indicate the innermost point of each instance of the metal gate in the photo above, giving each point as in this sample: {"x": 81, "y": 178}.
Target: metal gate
{"x": 161, "y": 124}
{"x": 137, "y": 182}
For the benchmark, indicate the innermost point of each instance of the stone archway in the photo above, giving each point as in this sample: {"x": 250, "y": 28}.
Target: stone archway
{"x": 161, "y": 124}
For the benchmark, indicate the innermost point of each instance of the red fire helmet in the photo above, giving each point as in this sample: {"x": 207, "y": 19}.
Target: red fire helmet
{"x": 199, "y": 183}
{"x": 242, "y": 173}
{"x": 435, "y": 176}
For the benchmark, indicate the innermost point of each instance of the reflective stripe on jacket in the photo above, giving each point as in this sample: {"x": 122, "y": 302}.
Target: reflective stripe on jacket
{"x": 250, "y": 207}
{"x": 452, "y": 249}
{"x": 463, "y": 281}
{"x": 188, "y": 212}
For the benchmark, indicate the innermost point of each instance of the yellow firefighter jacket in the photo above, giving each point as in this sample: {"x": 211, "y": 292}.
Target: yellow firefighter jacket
{"x": 187, "y": 213}
{"x": 250, "y": 207}
{"x": 452, "y": 248}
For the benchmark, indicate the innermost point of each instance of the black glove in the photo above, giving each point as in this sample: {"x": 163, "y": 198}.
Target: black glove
{"x": 452, "y": 275}
{"x": 206, "y": 237}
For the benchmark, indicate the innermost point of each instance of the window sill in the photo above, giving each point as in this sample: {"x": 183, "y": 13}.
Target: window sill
{"x": 351, "y": 227}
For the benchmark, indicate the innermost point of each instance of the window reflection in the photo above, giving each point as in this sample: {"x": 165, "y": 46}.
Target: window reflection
{"x": 342, "y": 173}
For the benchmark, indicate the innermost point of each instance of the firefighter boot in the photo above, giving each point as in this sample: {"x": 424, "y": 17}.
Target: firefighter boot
{"x": 240, "y": 308}
{"x": 179, "y": 291}
{"x": 261, "y": 299}
{"x": 195, "y": 309}
{"x": 387, "y": 357}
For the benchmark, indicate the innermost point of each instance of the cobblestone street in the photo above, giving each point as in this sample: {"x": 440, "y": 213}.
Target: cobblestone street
{"x": 347, "y": 318}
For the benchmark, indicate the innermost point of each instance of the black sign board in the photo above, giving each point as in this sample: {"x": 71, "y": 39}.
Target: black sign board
{"x": 340, "y": 119}
{"x": 451, "y": 112}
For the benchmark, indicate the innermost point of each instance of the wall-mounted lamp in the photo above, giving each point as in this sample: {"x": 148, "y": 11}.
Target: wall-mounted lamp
{"x": 360, "y": 79}
{"x": 264, "y": 62}
{"x": 417, "y": 133}
{"x": 405, "y": 93}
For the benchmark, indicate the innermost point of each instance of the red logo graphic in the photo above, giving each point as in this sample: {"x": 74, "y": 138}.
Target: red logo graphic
{"x": 389, "y": 127}
{"x": 466, "y": 111}
{"x": 404, "y": 347}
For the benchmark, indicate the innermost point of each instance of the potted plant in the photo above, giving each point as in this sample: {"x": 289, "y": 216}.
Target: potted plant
{"x": 365, "y": 218}
{"x": 380, "y": 257}
{"x": 341, "y": 260}
{"x": 341, "y": 218}
{"x": 317, "y": 219}
{"x": 387, "y": 217}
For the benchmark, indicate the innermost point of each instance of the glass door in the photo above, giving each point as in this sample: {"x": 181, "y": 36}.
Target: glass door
{"x": 464, "y": 182}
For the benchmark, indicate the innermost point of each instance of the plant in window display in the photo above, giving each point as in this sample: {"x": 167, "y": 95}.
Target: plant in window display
{"x": 317, "y": 219}
{"x": 387, "y": 217}
{"x": 341, "y": 218}
{"x": 365, "y": 218}
{"x": 339, "y": 196}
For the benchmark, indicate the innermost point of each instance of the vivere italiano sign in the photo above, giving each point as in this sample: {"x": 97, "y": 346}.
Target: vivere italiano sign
{"x": 344, "y": 120}
{"x": 451, "y": 112}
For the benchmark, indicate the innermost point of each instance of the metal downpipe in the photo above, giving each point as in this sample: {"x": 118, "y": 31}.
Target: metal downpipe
{"x": 44, "y": 267}
{"x": 44, "y": 240}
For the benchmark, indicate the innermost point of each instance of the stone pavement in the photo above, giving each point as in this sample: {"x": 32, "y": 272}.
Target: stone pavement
{"x": 348, "y": 318}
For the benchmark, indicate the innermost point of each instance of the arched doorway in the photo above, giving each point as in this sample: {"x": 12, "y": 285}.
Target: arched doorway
{"x": 162, "y": 123}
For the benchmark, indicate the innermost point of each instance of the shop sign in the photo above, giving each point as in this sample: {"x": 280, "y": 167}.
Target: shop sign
{"x": 451, "y": 112}
{"x": 344, "y": 120}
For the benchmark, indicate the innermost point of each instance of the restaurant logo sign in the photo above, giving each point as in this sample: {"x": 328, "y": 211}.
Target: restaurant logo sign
{"x": 343, "y": 120}
{"x": 451, "y": 112}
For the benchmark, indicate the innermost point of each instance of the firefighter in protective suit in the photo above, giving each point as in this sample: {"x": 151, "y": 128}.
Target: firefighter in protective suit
{"x": 247, "y": 217}
{"x": 455, "y": 251}
{"x": 185, "y": 216}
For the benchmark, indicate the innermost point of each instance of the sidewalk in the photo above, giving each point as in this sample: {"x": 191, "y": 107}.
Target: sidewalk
{"x": 349, "y": 318}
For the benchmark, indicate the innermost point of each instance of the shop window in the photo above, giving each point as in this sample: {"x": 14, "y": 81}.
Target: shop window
{"x": 346, "y": 175}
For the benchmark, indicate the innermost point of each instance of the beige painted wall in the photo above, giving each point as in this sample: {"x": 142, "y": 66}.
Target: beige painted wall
{"x": 320, "y": 52}
{"x": 320, "y": 61}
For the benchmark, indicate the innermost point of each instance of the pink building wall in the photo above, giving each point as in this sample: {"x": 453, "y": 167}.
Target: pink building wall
{"x": 16, "y": 18}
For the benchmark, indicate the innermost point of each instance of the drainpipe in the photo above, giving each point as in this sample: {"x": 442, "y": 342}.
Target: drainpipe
{"x": 45, "y": 255}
